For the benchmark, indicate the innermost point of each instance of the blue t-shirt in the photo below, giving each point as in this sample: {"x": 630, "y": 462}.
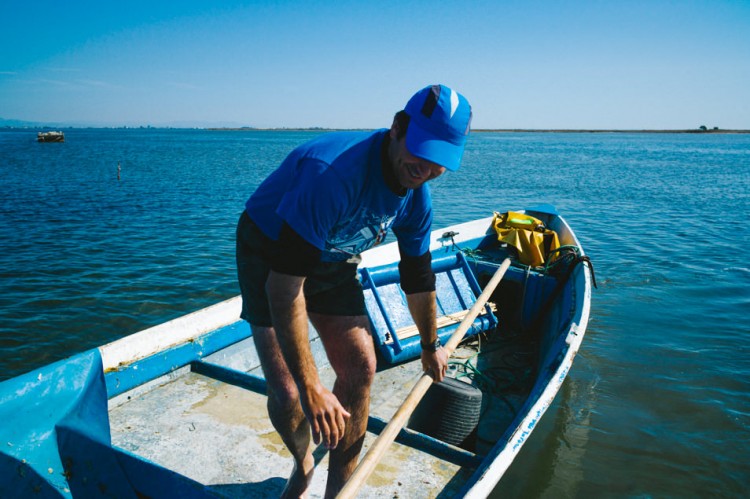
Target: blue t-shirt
{"x": 332, "y": 192}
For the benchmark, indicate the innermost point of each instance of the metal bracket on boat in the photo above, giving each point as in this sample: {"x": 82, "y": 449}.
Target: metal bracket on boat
{"x": 448, "y": 235}
{"x": 392, "y": 330}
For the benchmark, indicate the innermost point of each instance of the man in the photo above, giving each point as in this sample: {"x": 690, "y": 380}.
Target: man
{"x": 298, "y": 243}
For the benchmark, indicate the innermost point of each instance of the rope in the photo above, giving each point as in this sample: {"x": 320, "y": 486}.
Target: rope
{"x": 496, "y": 381}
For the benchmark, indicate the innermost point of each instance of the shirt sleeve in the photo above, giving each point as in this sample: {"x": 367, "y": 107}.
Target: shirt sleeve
{"x": 416, "y": 273}
{"x": 412, "y": 227}
{"x": 412, "y": 231}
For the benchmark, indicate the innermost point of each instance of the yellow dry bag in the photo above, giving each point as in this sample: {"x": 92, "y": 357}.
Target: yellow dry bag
{"x": 528, "y": 235}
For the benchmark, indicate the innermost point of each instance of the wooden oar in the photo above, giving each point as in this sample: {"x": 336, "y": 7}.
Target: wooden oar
{"x": 388, "y": 435}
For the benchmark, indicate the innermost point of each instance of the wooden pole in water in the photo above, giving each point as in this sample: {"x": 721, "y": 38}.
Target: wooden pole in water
{"x": 389, "y": 433}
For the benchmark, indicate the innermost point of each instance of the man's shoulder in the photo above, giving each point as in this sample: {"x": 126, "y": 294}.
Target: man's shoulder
{"x": 333, "y": 145}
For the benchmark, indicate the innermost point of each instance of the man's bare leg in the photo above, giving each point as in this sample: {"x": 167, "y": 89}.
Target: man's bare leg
{"x": 351, "y": 353}
{"x": 285, "y": 411}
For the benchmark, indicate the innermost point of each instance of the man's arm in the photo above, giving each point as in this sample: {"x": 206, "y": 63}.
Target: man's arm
{"x": 324, "y": 411}
{"x": 291, "y": 259}
{"x": 423, "y": 310}
{"x": 418, "y": 283}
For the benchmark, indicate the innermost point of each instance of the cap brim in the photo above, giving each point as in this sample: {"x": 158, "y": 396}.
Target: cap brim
{"x": 424, "y": 145}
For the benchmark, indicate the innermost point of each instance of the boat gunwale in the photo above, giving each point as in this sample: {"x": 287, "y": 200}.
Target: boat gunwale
{"x": 186, "y": 328}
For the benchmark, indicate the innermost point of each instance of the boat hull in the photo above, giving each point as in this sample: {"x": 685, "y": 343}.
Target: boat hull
{"x": 50, "y": 137}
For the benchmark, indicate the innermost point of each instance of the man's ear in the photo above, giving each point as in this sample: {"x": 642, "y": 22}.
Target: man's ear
{"x": 394, "y": 131}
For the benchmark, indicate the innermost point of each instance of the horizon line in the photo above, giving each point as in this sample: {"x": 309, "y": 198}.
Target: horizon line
{"x": 333, "y": 129}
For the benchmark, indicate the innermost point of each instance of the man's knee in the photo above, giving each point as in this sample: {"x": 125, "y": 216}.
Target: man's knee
{"x": 281, "y": 388}
{"x": 284, "y": 397}
{"x": 359, "y": 372}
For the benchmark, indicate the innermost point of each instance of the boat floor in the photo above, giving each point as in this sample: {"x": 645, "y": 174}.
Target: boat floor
{"x": 220, "y": 436}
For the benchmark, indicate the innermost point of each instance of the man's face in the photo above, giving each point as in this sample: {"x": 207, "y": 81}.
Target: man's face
{"x": 411, "y": 171}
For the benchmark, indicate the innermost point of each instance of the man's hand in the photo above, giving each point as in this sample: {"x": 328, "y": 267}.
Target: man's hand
{"x": 326, "y": 415}
{"x": 436, "y": 363}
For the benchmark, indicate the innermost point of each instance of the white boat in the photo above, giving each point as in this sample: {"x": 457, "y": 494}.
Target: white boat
{"x": 178, "y": 410}
{"x": 50, "y": 137}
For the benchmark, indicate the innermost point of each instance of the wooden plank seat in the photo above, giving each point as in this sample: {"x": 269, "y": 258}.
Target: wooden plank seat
{"x": 442, "y": 321}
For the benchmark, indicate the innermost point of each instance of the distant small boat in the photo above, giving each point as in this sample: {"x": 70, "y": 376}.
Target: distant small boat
{"x": 50, "y": 137}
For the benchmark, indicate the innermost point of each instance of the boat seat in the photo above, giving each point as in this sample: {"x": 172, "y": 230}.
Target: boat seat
{"x": 394, "y": 332}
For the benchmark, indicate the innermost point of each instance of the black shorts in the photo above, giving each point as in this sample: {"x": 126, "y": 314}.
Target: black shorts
{"x": 332, "y": 288}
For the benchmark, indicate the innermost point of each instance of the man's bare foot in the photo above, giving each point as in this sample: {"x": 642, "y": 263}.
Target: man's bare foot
{"x": 299, "y": 481}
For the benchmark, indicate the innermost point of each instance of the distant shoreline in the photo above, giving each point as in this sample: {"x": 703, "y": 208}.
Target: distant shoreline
{"x": 321, "y": 129}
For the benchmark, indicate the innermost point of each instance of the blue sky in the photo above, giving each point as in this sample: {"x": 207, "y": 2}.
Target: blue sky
{"x": 522, "y": 64}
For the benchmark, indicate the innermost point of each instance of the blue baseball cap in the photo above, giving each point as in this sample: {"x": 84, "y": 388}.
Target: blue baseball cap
{"x": 439, "y": 122}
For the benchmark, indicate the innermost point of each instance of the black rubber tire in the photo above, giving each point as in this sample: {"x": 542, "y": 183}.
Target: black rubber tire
{"x": 449, "y": 411}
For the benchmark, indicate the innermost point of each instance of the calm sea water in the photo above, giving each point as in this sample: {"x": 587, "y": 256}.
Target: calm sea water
{"x": 658, "y": 401}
